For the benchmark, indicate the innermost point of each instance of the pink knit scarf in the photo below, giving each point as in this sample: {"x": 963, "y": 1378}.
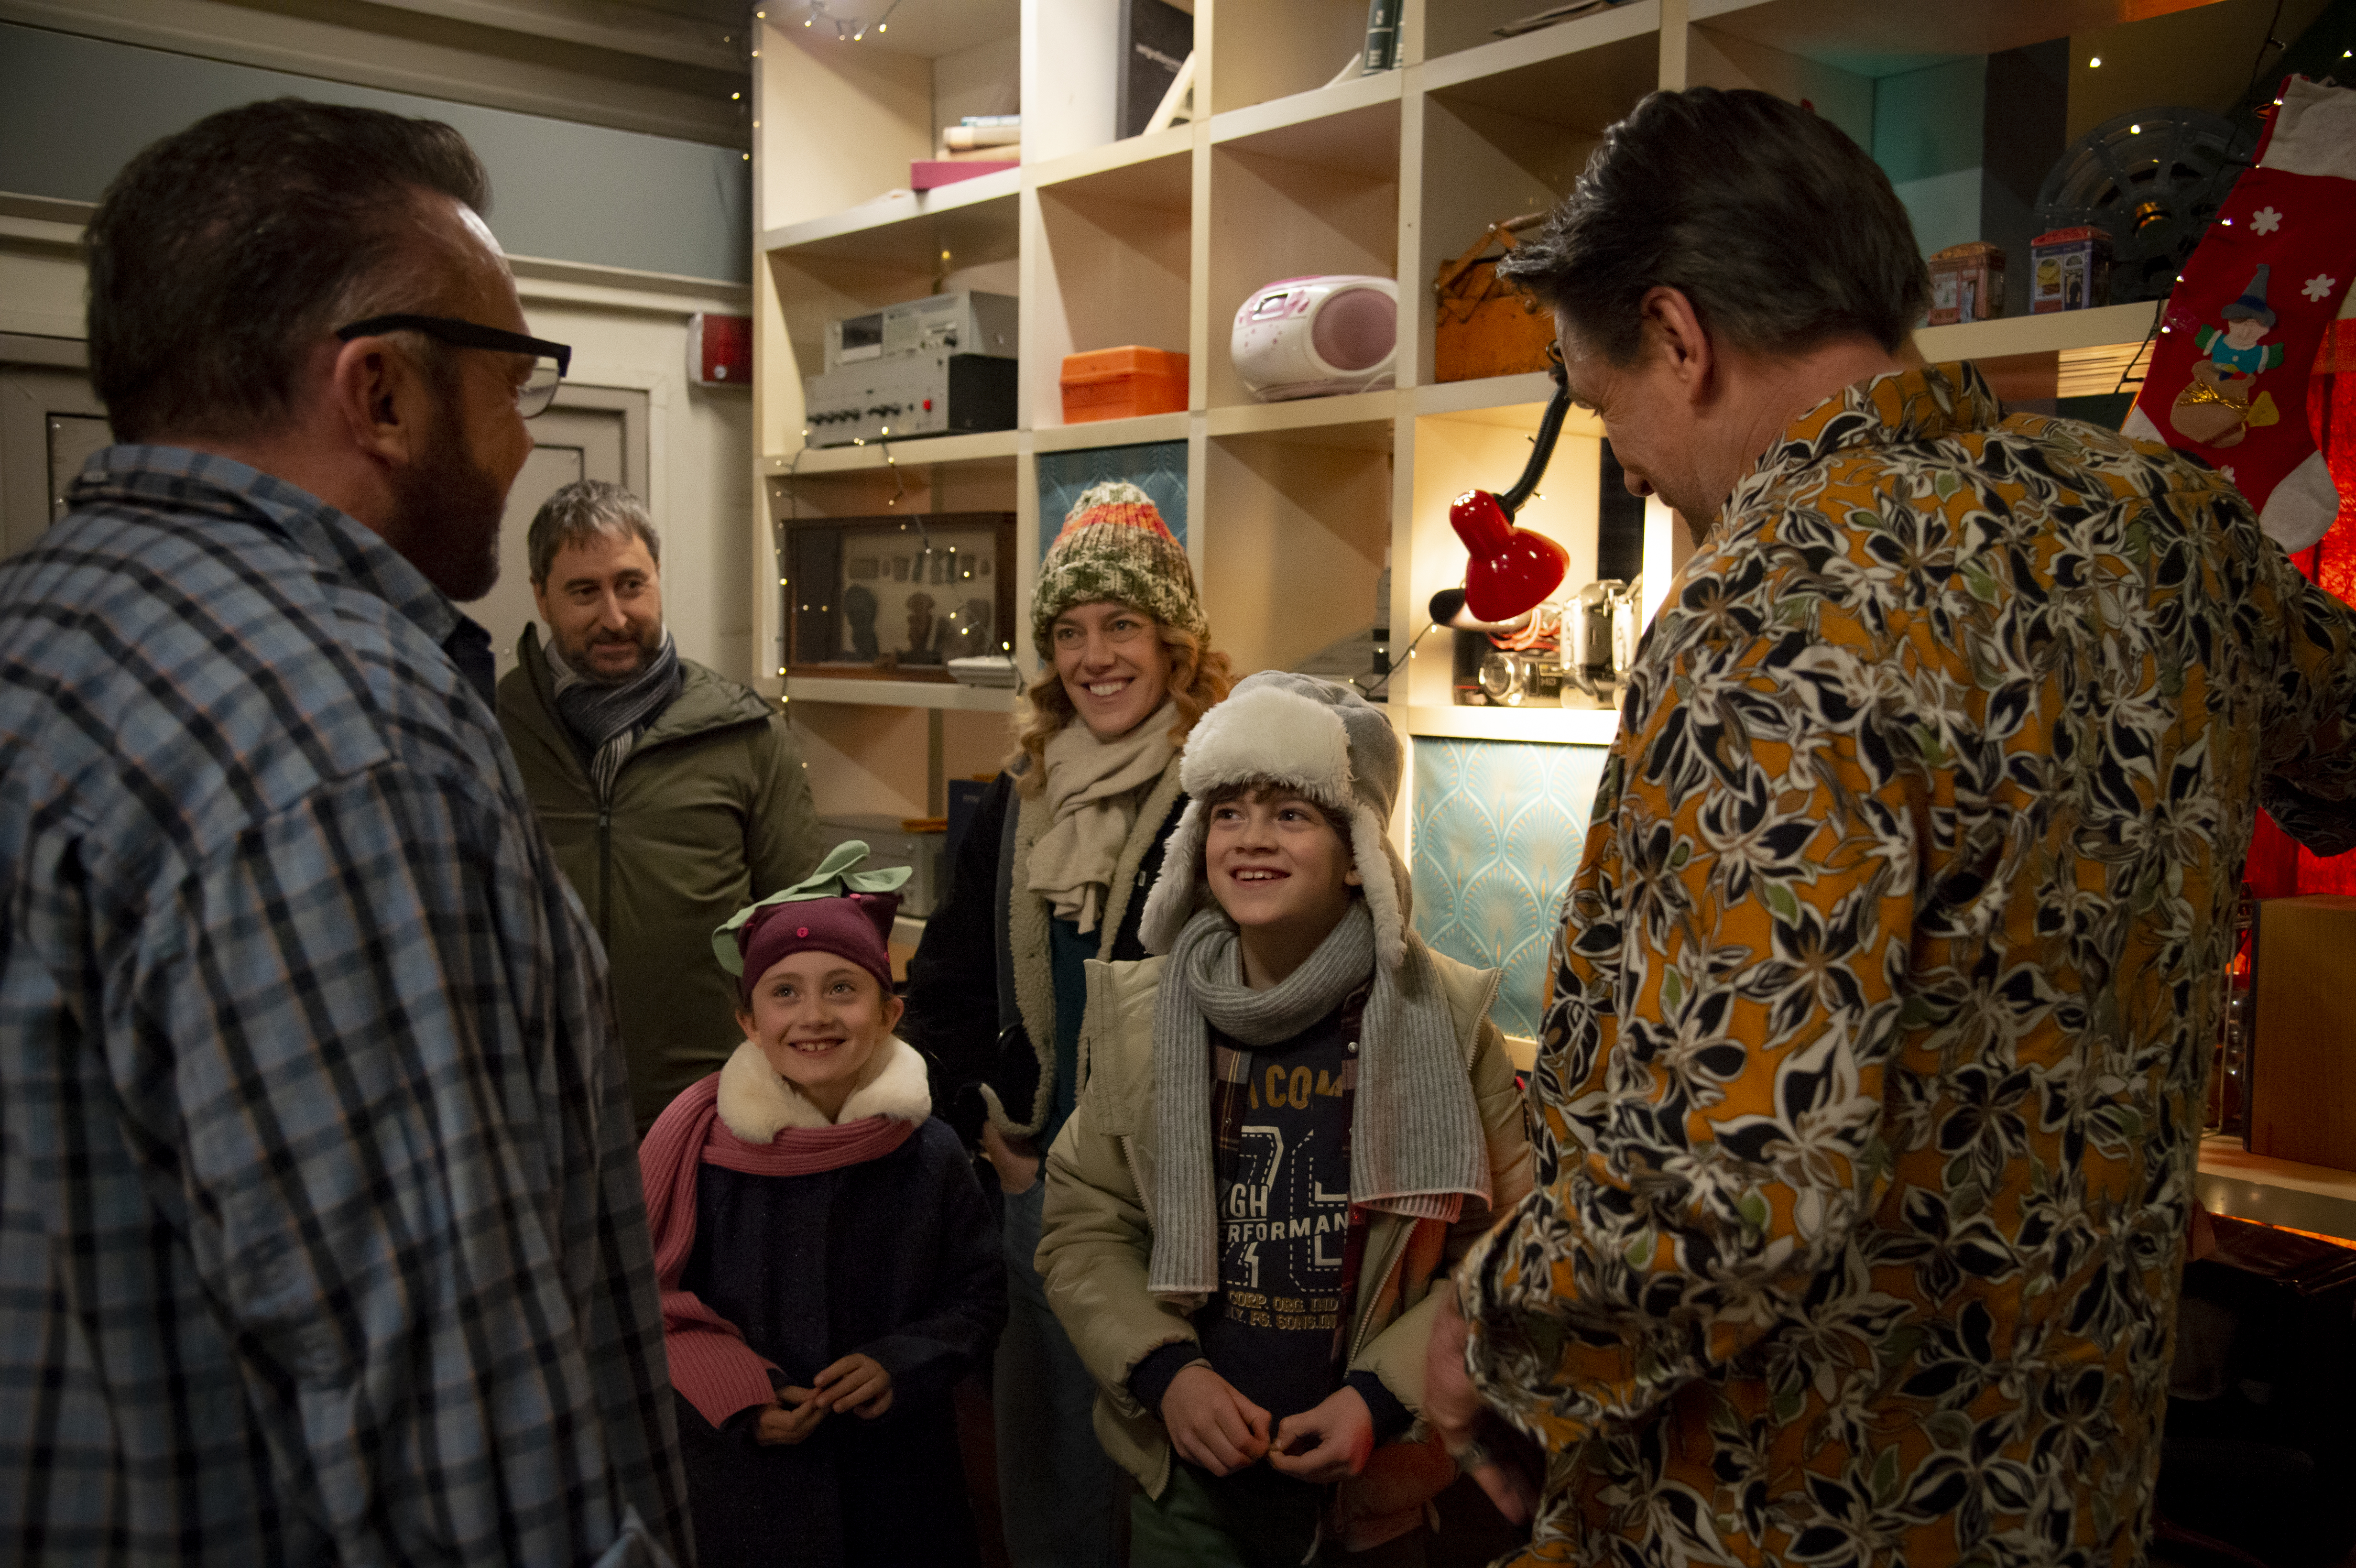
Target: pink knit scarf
{"x": 710, "y": 1362}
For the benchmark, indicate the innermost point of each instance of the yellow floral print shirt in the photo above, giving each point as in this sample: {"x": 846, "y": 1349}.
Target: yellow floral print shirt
{"x": 1868, "y": 1095}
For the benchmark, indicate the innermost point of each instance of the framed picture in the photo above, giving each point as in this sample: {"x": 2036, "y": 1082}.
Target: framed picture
{"x": 898, "y": 597}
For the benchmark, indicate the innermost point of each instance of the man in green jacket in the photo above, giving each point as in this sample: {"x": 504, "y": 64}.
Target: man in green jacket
{"x": 672, "y": 796}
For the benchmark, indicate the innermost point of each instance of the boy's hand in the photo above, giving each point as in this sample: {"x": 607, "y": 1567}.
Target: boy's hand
{"x": 1210, "y": 1423}
{"x": 856, "y": 1383}
{"x": 791, "y": 1414}
{"x": 1331, "y": 1443}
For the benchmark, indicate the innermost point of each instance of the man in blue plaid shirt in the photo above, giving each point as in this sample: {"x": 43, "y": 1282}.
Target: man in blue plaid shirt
{"x": 321, "y": 1237}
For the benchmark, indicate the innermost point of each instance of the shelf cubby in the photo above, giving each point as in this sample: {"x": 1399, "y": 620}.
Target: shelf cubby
{"x": 1486, "y": 448}
{"x": 1262, "y": 51}
{"x": 1872, "y": 39}
{"x": 886, "y": 759}
{"x": 909, "y": 227}
{"x": 819, "y": 281}
{"x": 1110, "y": 264}
{"x": 1501, "y": 142}
{"x": 1294, "y": 200}
{"x": 1610, "y": 56}
{"x": 1295, "y": 523}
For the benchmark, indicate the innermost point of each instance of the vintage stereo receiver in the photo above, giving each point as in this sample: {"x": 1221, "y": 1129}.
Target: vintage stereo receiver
{"x": 961, "y": 323}
{"x": 907, "y": 396}
{"x": 941, "y": 366}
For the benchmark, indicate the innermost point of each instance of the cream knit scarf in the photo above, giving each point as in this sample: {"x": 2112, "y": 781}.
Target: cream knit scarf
{"x": 1092, "y": 791}
{"x": 1417, "y": 1148}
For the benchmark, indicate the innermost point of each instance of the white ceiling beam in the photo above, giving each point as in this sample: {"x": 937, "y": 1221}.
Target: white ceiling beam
{"x": 213, "y": 29}
{"x": 599, "y": 25}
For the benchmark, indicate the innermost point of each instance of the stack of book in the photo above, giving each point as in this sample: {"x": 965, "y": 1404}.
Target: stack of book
{"x": 979, "y": 144}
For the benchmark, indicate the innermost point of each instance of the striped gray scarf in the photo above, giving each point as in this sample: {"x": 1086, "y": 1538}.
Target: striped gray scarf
{"x": 1417, "y": 1148}
{"x": 606, "y": 721}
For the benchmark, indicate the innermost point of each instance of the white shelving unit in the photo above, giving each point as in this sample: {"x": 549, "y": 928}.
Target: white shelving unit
{"x": 2233, "y": 1180}
{"x": 1293, "y": 506}
{"x": 947, "y": 695}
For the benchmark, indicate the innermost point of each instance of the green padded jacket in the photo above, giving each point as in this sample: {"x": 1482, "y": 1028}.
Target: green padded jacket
{"x": 710, "y": 811}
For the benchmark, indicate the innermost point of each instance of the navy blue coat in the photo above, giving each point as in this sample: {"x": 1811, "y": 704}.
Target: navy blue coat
{"x": 896, "y": 1258}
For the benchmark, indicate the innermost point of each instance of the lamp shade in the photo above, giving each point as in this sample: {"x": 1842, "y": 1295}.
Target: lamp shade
{"x": 1510, "y": 570}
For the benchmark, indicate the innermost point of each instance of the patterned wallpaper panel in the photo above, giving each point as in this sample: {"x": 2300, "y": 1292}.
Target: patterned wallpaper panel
{"x": 1158, "y": 468}
{"x": 1498, "y": 828}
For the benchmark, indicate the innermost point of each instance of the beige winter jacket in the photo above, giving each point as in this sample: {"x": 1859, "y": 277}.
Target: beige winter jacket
{"x": 1097, "y": 1237}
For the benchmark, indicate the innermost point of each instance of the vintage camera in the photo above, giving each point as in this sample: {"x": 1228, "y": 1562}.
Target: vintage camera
{"x": 1600, "y": 626}
{"x": 1510, "y": 679}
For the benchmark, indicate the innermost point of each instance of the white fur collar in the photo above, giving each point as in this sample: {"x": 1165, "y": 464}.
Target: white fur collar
{"x": 757, "y": 1103}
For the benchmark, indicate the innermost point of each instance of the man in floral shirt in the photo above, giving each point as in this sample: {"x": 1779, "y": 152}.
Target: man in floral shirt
{"x": 1870, "y": 1086}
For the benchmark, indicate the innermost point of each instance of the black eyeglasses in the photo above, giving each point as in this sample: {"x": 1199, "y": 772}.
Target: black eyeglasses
{"x": 550, "y": 360}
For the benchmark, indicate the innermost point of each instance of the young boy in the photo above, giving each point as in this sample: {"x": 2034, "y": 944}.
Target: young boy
{"x": 1289, "y": 1127}
{"x": 827, "y": 1260}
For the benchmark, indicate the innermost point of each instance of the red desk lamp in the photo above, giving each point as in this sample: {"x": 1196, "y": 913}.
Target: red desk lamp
{"x": 1512, "y": 569}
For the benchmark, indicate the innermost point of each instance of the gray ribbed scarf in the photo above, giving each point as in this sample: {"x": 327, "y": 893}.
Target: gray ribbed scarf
{"x": 1415, "y": 1142}
{"x": 607, "y": 720}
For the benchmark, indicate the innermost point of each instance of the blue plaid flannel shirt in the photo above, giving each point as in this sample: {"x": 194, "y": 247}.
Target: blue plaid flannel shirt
{"x": 321, "y": 1236}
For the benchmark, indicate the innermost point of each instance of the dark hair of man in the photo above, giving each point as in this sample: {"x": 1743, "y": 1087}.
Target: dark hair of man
{"x": 220, "y": 256}
{"x": 584, "y": 510}
{"x": 1779, "y": 229}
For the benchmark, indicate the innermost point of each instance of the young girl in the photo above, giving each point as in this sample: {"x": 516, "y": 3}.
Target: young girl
{"x": 826, "y": 1257}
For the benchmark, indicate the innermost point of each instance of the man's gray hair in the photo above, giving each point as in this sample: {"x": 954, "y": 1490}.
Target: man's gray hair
{"x": 581, "y": 511}
{"x": 1780, "y": 230}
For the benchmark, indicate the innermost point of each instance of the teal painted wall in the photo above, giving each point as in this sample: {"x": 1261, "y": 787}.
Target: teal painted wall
{"x": 1927, "y": 137}
{"x": 74, "y": 110}
{"x": 1158, "y": 468}
{"x": 1499, "y": 827}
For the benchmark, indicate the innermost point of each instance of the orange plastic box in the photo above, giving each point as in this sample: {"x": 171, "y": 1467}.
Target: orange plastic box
{"x": 1116, "y": 383}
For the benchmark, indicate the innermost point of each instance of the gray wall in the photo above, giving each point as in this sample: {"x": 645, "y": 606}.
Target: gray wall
{"x": 74, "y": 110}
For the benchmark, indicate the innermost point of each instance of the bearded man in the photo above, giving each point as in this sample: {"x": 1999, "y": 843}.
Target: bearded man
{"x": 673, "y": 795}
{"x": 321, "y": 1230}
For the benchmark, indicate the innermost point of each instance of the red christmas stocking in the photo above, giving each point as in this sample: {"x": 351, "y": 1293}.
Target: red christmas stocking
{"x": 2228, "y": 379}
{"x": 2331, "y": 409}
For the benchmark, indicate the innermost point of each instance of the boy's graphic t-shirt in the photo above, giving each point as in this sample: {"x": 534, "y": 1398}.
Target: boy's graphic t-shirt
{"x": 1288, "y": 1246}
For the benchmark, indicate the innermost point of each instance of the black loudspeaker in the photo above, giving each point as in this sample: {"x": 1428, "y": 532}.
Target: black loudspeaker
{"x": 1155, "y": 39}
{"x": 1619, "y": 524}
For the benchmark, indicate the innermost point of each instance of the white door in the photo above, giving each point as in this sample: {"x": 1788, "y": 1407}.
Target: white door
{"x": 50, "y": 422}
{"x": 571, "y": 444}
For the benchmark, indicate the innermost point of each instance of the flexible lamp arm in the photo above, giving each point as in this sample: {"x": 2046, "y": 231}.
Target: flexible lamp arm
{"x": 1542, "y": 450}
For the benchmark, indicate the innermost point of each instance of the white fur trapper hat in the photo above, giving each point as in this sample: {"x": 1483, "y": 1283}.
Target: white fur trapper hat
{"x": 1319, "y": 738}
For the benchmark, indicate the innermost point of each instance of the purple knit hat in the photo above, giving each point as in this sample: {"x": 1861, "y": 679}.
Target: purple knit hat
{"x": 858, "y": 928}
{"x": 833, "y": 910}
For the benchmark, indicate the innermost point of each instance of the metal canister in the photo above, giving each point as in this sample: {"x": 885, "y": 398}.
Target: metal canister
{"x": 1967, "y": 284}
{"x": 2069, "y": 269}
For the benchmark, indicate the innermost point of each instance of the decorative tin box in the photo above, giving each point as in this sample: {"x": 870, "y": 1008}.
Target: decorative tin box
{"x": 2069, "y": 269}
{"x": 1967, "y": 284}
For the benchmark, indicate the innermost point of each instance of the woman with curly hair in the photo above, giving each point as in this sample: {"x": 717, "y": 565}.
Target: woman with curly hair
{"x": 1052, "y": 873}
